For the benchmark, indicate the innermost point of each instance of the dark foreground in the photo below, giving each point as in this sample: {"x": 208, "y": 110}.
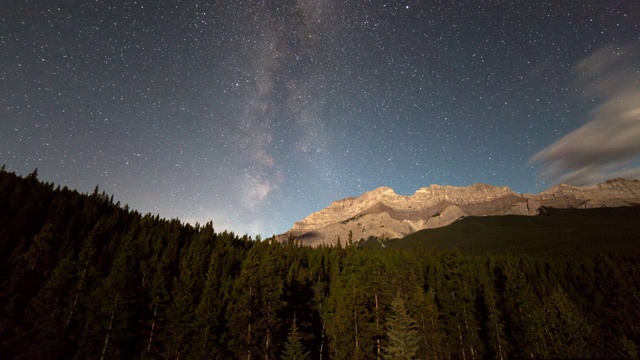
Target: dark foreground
{"x": 82, "y": 277}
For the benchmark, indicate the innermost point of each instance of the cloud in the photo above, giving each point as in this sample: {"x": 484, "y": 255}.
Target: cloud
{"x": 608, "y": 145}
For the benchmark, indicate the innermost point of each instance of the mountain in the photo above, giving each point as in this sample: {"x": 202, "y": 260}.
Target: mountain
{"x": 384, "y": 214}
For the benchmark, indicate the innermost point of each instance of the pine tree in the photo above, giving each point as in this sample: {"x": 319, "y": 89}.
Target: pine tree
{"x": 293, "y": 348}
{"x": 566, "y": 325}
{"x": 521, "y": 309}
{"x": 427, "y": 324}
{"x": 493, "y": 318}
{"x": 402, "y": 332}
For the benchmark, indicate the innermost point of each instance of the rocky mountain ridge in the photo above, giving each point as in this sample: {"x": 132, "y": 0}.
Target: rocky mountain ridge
{"x": 383, "y": 213}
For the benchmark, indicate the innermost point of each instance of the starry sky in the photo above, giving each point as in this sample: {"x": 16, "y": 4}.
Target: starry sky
{"x": 253, "y": 114}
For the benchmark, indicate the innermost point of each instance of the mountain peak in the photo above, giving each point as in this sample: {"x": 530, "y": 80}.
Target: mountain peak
{"x": 382, "y": 190}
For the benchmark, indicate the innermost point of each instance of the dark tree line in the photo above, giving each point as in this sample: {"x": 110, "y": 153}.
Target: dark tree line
{"x": 83, "y": 277}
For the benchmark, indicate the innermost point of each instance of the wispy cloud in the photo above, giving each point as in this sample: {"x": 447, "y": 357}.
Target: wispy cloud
{"x": 608, "y": 145}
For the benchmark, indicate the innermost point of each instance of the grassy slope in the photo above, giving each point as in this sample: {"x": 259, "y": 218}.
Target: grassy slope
{"x": 561, "y": 232}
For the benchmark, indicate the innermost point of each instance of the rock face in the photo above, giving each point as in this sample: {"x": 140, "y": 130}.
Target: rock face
{"x": 383, "y": 213}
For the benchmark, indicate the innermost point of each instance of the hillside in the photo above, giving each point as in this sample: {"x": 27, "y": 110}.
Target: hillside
{"x": 557, "y": 232}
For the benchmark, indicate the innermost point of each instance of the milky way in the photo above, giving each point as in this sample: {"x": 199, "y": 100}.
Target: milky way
{"x": 254, "y": 114}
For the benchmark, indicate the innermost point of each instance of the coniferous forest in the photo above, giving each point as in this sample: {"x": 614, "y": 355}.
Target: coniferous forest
{"x": 83, "y": 277}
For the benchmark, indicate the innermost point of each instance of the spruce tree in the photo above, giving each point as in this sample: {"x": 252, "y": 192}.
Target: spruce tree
{"x": 402, "y": 332}
{"x": 293, "y": 348}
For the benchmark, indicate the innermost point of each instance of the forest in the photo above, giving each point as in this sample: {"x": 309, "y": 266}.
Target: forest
{"x": 82, "y": 277}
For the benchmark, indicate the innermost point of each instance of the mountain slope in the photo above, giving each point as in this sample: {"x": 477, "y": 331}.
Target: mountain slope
{"x": 557, "y": 232}
{"x": 383, "y": 213}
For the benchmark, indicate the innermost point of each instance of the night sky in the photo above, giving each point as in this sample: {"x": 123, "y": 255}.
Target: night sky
{"x": 253, "y": 114}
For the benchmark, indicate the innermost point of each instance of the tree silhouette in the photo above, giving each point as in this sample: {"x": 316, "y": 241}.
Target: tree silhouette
{"x": 293, "y": 348}
{"x": 402, "y": 332}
